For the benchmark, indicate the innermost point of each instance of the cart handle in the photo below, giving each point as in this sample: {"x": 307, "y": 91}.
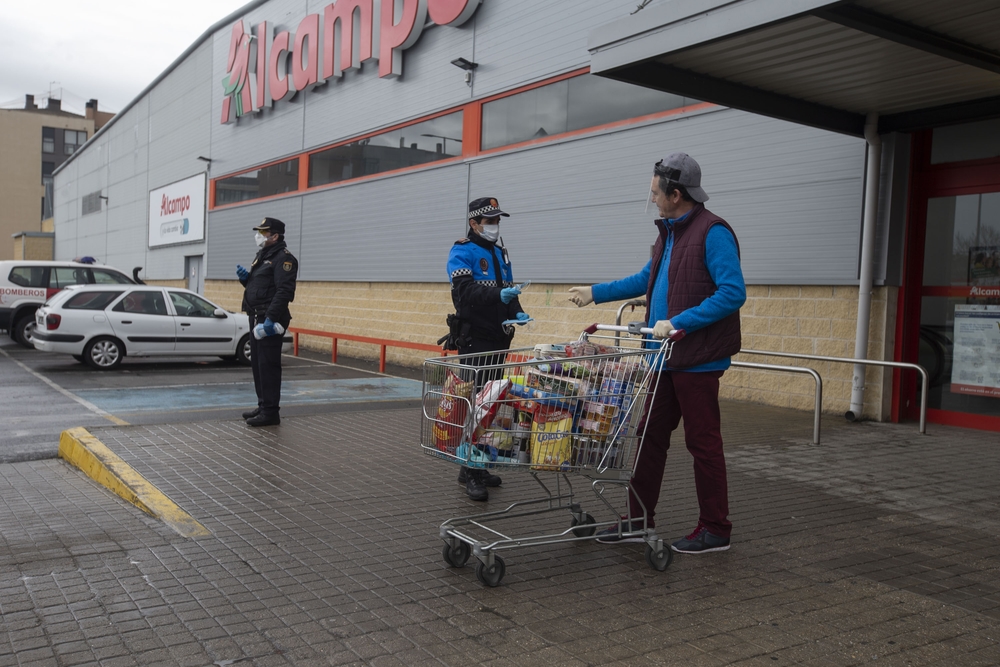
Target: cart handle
{"x": 675, "y": 334}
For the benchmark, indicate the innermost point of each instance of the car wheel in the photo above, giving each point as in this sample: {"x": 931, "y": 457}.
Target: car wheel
{"x": 243, "y": 350}
{"x": 104, "y": 353}
{"x": 23, "y": 330}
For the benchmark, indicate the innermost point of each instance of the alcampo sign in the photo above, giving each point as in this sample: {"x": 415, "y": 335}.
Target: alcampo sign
{"x": 264, "y": 66}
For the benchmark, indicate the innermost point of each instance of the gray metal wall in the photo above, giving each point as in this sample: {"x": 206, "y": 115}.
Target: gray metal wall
{"x": 793, "y": 194}
{"x": 153, "y": 144}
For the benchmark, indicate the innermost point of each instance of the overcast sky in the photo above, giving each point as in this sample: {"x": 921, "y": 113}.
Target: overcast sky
{"x": 104, "y": 49}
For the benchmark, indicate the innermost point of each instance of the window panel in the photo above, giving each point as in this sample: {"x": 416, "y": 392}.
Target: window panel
{"x": 422, "y": 143}
{"x": 28, "y": 276}
{"x": 191, "y": 305}
{"x": 91, "y": 300}
{"x": 109, "y": 278}
{"x": 64, "y": 276}
{"x": 573, "y": 104}
{"x": 48, "y": 140}
{"x": 142, "y": 302}
{"x": 267, "y": 181}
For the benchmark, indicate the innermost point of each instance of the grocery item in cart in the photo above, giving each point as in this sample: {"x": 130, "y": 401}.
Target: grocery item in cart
{"x": 597, "y": 419}
{"x": 488, "y": 400}
{"x": 551, "y": 440}
{"x": 451, "y": 412}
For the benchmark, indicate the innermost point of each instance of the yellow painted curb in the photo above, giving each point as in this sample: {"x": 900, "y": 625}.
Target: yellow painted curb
{"x": 81, "y": 449}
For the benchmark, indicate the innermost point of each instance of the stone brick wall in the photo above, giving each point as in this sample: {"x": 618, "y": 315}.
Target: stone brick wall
{"x": 33, "y": 248}
{"x": 809, "y": 320}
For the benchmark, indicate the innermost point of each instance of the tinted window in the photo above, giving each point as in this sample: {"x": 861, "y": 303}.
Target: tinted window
{"x": 429, "y": 141}
{"x": 91, "y": 300}
{"x": 266, "y": 181}
{"x": 191, "y": 305}
{"x": 48, "y": 140}
{"x": 142, "y": 302}
{"x": 63, "y": 276}
{"x": 28, "y": 276}
{"x": 573, "y": 104}
{"x": 103, "y": 277}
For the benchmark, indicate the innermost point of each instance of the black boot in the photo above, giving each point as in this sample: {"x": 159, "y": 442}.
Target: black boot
{"x": 489, "y": 480}
{"x": 251, "y": 414}
{"x": 474, "y": 486}
{"x": 264, "y": 420}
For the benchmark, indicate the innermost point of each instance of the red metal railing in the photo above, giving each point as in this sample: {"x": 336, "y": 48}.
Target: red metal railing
{"x": 383, "y": 343}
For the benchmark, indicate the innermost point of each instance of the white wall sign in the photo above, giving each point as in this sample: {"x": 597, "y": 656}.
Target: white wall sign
{"x": 177, "y": 212}
{"x": 975, "y": 367}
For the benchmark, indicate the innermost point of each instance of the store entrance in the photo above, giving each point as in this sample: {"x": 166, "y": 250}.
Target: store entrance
{"x": 951, "y": 302}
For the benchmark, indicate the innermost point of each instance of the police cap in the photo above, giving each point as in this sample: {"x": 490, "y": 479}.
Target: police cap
{"x": 272, "y": 225}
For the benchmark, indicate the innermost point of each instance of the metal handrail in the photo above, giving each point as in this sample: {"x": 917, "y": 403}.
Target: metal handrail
{"x": 864, "y": 362}
{"x": 634, "y": 303}
{"x": 818, "y": 399}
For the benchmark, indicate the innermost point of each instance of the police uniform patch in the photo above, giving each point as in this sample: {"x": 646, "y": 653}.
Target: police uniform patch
{"x": 494, "y": 203}
{"x": 484, "y": 265}
{"x": 287, "y": 266}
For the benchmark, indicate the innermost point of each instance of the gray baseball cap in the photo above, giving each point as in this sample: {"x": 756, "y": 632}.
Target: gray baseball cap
{"x": 682, "y": 169}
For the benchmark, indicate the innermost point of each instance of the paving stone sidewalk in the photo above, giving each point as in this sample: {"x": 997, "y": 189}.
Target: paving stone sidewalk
{"x": 879, "y": 546}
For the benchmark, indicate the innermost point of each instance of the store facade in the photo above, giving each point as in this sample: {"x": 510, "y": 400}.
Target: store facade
{"x": 369, "y": 142}
{"x": 927, "y": 75}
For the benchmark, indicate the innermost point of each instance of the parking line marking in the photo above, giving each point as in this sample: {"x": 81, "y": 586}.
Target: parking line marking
{"x": 68, "y": 394}
{"x": 79, "y": 448}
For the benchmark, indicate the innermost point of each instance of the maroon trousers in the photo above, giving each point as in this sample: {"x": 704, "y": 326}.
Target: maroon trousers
{"x": 694, "y": 396}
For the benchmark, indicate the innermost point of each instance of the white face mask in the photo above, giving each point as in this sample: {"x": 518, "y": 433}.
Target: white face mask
{"x": 490, "y": 232}
{"x": 259, "y": 239}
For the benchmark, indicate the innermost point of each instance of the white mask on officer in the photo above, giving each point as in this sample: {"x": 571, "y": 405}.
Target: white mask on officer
{"x": 259, "y": 239}
{"x": 490, "y": 232}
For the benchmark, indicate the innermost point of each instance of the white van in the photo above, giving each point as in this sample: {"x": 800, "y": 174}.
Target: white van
{"x": 25, "y": 285}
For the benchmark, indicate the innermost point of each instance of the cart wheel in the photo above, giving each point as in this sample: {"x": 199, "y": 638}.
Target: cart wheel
{"x": 492, "y": 575}
{"x": 586, "y": 528}
{"x": 458, "y": 555}
{"x": 659, "y": 560}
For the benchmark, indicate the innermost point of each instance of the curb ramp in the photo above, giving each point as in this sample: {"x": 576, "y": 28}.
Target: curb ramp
{"x": 81, "y": 449}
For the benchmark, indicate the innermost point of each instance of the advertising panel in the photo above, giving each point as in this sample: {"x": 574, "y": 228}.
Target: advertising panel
{"x": 177, "y": 212}
{"x": 976, "y": 365}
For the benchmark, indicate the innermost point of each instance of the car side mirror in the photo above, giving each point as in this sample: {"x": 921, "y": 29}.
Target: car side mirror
{"x": 219, "y": 312}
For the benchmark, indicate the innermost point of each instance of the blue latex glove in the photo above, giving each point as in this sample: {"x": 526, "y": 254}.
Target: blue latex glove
{"x": 523, "y": 316}
{"x": 241, "y": 273}
{"x": 508, "y": 294}
{"x": 268, "y": 328}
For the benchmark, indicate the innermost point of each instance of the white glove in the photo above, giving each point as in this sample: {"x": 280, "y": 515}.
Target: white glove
{"x": 581, "y": 296}
{"x": 662, "y": 329}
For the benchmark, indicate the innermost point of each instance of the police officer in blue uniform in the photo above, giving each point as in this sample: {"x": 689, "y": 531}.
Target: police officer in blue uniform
{"x": 270, "y": 287}
{"x": 484, "y": 294}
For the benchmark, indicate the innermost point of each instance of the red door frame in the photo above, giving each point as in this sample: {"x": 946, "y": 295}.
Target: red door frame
{"x": 927, "y": 181}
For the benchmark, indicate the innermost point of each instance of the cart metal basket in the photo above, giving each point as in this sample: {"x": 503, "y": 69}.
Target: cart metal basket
{"x": 550, "y": 411}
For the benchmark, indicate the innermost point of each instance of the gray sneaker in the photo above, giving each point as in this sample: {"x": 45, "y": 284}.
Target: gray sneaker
{"x": 700, "y": 542}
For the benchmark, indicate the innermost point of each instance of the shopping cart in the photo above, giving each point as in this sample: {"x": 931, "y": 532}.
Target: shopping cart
{"x": 550, "y": 410}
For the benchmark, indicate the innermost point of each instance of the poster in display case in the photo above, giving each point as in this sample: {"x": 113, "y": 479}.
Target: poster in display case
{"x": 976, "y": 363}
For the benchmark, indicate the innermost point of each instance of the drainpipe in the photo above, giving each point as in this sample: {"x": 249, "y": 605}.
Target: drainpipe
{"x": 867, "y": 263}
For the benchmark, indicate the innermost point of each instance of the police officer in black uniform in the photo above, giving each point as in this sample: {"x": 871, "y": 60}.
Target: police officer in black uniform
{"x": 484, "y": 294}
{"x": 270, "y": 287}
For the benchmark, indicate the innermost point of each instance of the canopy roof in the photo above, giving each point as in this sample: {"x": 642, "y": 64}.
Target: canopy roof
{"x": 918, "y": 63}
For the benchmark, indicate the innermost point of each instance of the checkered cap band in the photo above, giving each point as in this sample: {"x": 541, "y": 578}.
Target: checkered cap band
{"x": 483, "y": 211}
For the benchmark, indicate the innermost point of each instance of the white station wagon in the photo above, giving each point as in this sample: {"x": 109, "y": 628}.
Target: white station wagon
{"x": 100, "y": 324}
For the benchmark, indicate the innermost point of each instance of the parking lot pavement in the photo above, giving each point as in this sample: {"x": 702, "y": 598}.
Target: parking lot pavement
{"x": 878, "y": 547}
{"x": 44, "y": 394}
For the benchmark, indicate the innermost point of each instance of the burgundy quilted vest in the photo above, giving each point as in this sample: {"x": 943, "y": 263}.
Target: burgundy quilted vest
{"x": 690, "y": 284}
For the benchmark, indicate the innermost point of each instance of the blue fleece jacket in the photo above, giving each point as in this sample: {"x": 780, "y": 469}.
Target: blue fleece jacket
{"x": 723, "y": 262}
